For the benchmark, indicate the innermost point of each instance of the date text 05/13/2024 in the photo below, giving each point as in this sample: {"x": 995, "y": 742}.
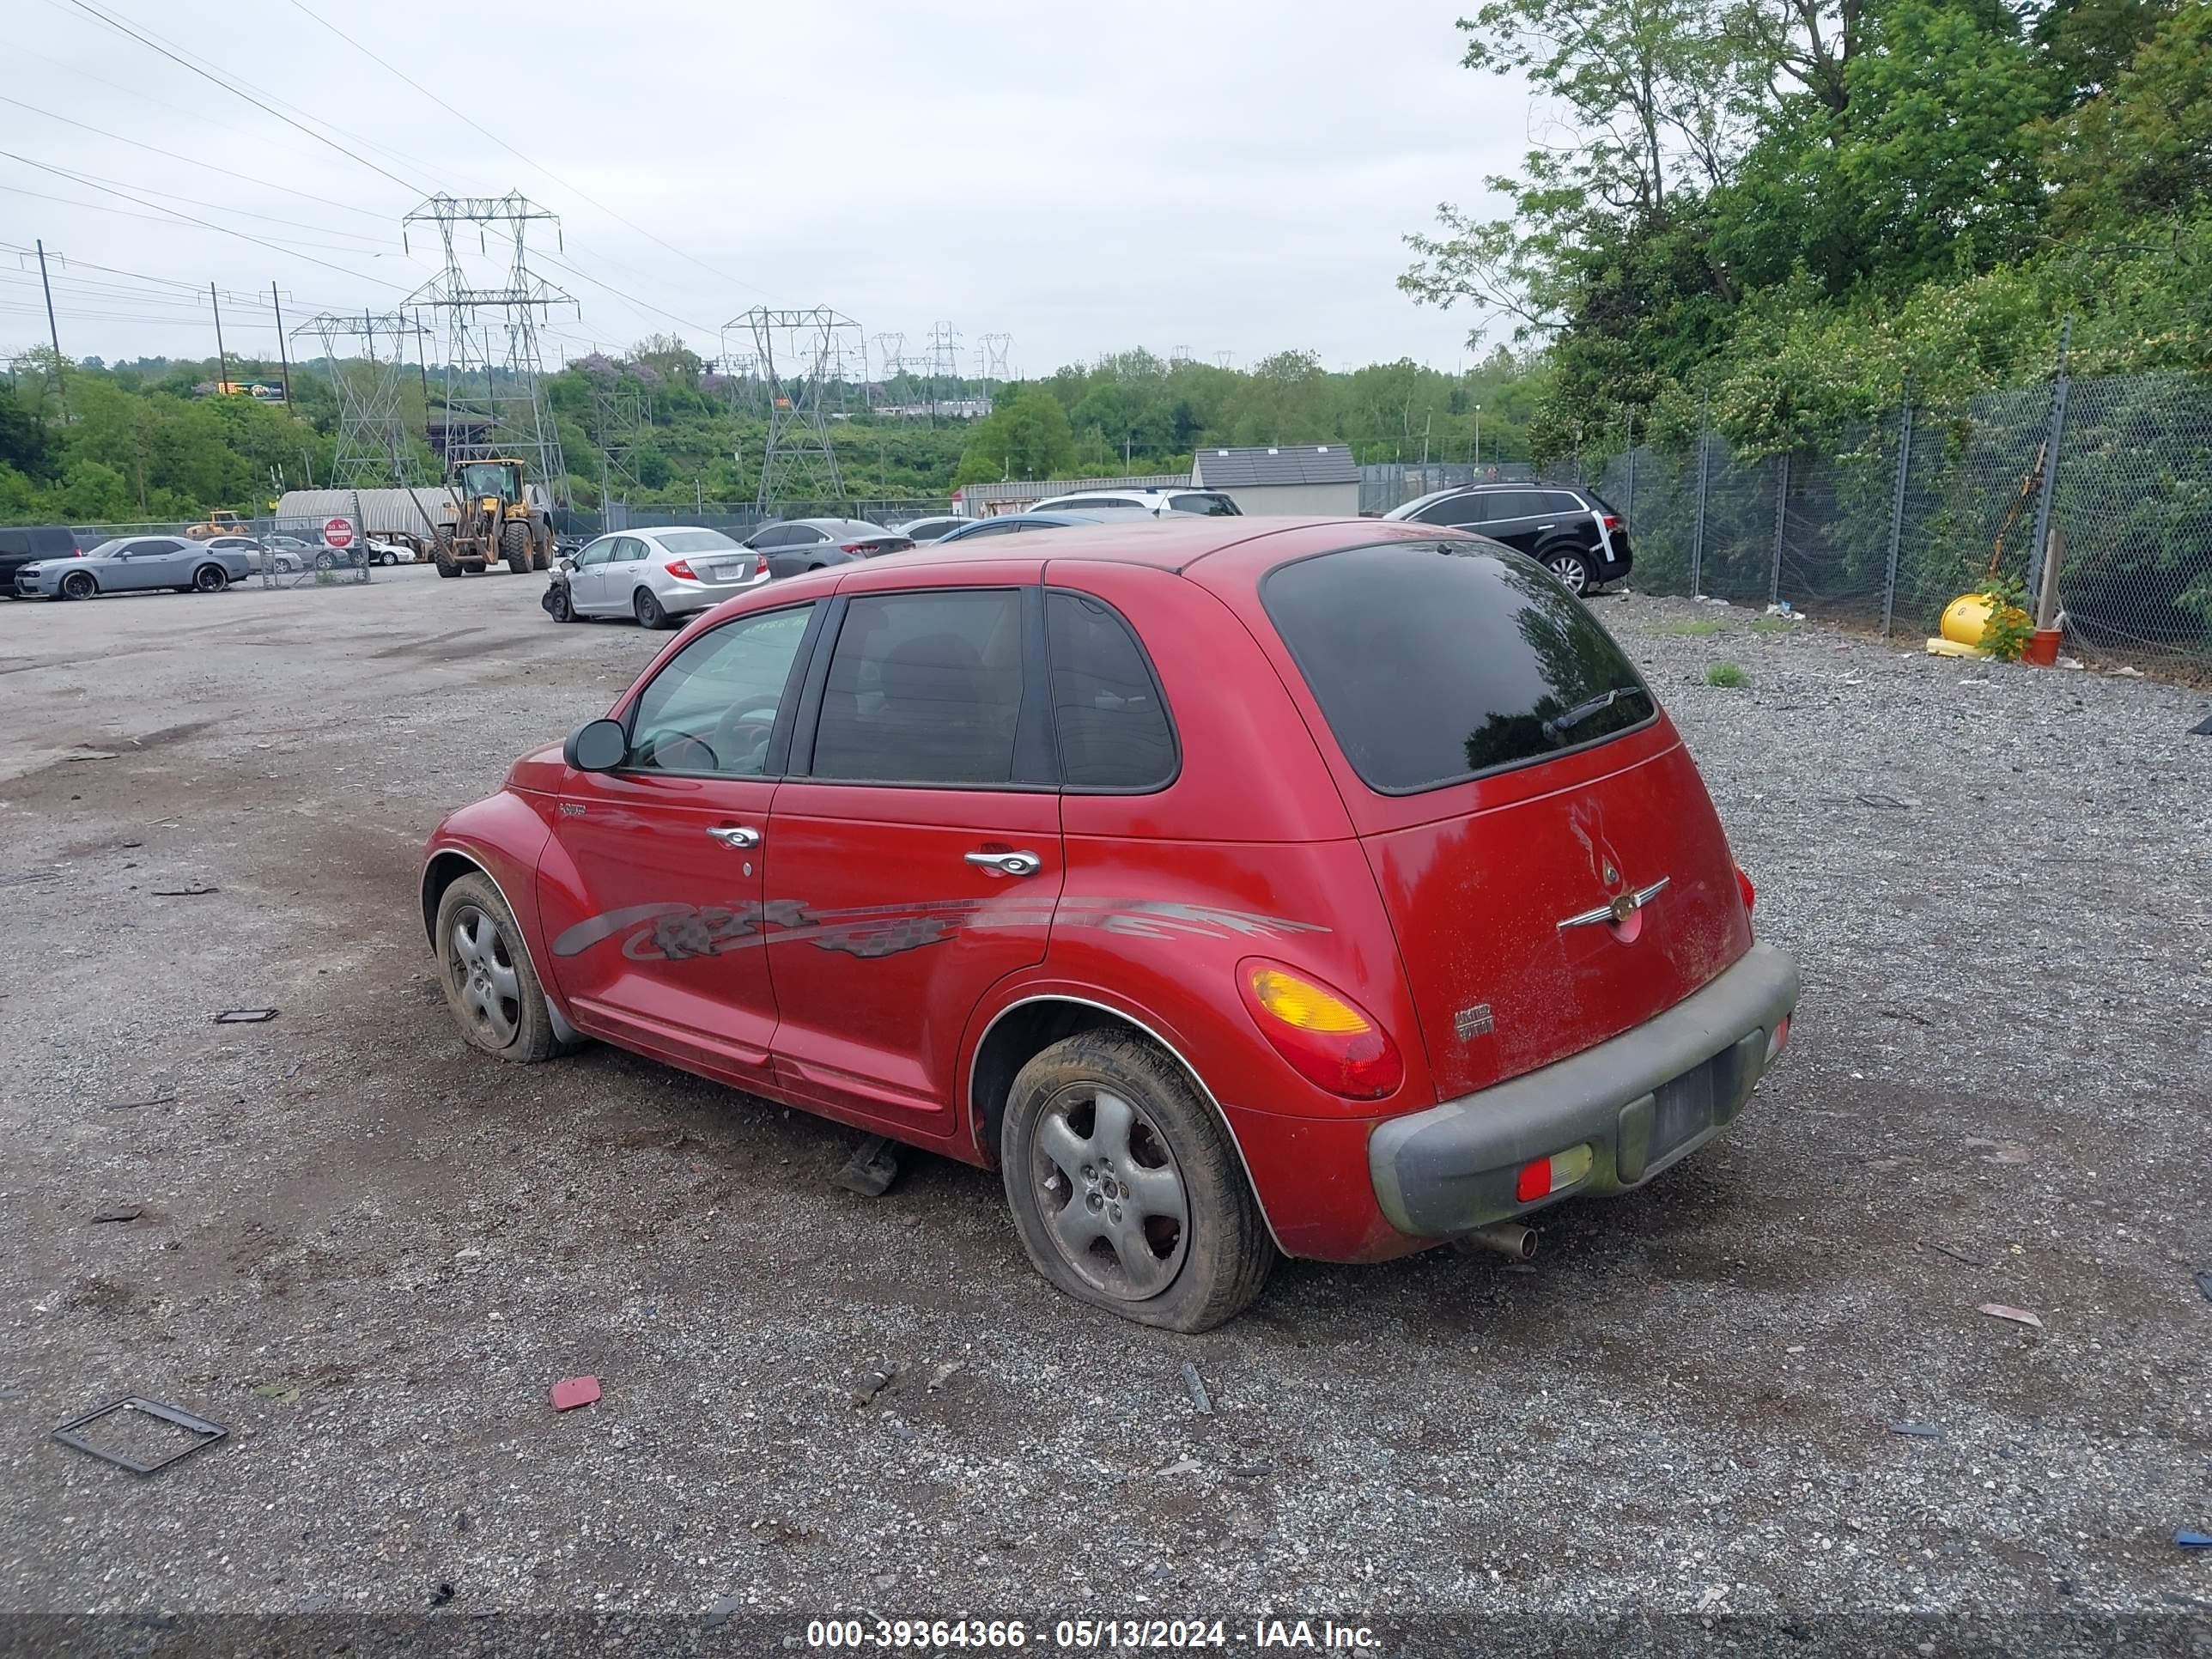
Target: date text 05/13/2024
{"x": 1090, "y": 1635}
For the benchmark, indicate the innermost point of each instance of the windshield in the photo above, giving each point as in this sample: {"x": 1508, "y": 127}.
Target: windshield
{"x": 696, "y": 541}
{"x": 106, "y": 550}
{"x": 1436, "y": 661}
{"x": 489, "y": 479}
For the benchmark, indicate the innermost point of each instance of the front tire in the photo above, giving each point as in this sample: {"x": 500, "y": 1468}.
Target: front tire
{"x": 78, "y": 586}
{"x": 514, "y": 548}
{"x": 1126, "y": 1189}
{"x": 491, "y": 986}
{"x": 649, "y": 613}
{"x": 562, "y": 607}
{"x": 210, "y": 579}
{"x": 442, "y": 553}
{"x": 326, "y": 560}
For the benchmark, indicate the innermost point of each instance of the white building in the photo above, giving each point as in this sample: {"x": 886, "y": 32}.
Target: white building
{"x": 1319, "y": 479}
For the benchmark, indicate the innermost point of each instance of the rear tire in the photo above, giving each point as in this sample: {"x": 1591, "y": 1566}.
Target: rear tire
{"x": 649, "y": 613}
{"x": 1186, "y": 1276}
{"x": 491, "y": 986}
{"x": 514, "y": 548}
{"x": 210, "y": 579}
{"x": 442, "y": 555}
{"x": 1570, "y": 567}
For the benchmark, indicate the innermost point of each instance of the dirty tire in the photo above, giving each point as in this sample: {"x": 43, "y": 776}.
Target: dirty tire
{"x": 558, "y": 607}
{"x": 210, "y": 579}
{"x": 649, "y": 613}
{"x": 442, "y": 555}
{"x": 514, "y": 548}
{"x": 78, "y": 586}
{"x": 490, "y": 988}
{"x": 1220, "y": 1261}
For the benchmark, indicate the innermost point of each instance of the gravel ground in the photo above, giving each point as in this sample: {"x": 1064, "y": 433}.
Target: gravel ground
{"x": 369, "y": 1253}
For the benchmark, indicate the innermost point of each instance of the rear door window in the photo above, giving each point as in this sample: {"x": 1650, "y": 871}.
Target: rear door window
{"x": 1209, "y": 503}
{"x": 924, "y": 689}
{"x": 1456, "y": 510}
{"x": 1113, "y": 724}
{"x": 1437, "y": 661}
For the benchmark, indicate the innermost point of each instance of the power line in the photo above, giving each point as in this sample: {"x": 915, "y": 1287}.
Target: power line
{"x": 191, "y": 161}
{"x": 94, "y": 179}
{"x": 187, "y": 218}
{"x": 307, "y": 11}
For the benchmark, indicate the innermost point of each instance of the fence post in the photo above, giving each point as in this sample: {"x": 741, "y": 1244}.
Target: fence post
{"x": 1897, "y": 505}
{"x": 1781, "y": 504}
{"x": 2054, "y": 433}
{"x": 1628, "y": 508}
{"x": 1704, "y": 475}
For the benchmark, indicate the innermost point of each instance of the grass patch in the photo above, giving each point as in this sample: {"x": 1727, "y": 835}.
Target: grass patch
{"x": 1773, "y": 625}
{"x": 1694, "y": 630}
{"x": 1726, "y": 675}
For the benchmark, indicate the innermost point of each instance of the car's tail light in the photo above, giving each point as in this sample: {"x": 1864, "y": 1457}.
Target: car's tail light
{"x": 1541, "y": 1177}
{"x": 1743, "y": 886}
{"x": 681, "y": 567}
{"x": 1612, "y": 521}
{"x": 1327, "y": 1038}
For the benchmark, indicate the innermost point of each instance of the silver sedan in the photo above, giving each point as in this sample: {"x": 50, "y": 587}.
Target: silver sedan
{"x": 655, "y": 575}
{"x": 135, "y": 562}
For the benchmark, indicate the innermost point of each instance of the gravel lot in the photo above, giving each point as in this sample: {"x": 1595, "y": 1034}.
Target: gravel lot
{"x": 369, "y": 1253}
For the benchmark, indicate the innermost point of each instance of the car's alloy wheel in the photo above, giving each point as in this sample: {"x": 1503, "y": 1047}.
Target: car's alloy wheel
{"x": 489, "y": 984}
{"x": 78, "y": 586}
{"x": 1126, "y": 1188}
{"x": 1570, "y": 568}
{"x": 210, "y": 579}
{"x": 1113, "y": 1200}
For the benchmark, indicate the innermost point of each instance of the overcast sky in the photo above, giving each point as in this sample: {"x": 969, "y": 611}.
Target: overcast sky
{"x": 1215, "y": 174}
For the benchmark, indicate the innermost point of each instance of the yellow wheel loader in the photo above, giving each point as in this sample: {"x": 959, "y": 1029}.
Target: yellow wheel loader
{"x": 489, "y": 518}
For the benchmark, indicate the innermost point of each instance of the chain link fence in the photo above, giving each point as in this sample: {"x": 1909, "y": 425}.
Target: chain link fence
{"x": 280, "y": 551}
{"x": 1889, "y": 521}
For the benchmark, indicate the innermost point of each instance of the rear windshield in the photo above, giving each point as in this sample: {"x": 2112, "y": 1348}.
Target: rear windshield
{"x": 1435, "y": 661}
{"x": 696, "y": 541}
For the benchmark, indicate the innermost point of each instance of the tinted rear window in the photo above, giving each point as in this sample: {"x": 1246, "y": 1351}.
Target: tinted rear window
{"x": 1435, "y": 661}
{"x": 696, "y": 541}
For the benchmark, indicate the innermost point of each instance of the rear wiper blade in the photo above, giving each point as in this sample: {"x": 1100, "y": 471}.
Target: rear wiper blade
{"x": 1560, "y": 724}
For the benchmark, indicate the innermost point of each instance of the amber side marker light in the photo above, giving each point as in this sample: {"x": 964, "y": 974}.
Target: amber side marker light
{"x": 1325, "y": 1036}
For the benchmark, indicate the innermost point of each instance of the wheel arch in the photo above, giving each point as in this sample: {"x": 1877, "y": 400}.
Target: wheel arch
{"x": 1028, "y": 1025}
{"x": 447, "y": 865}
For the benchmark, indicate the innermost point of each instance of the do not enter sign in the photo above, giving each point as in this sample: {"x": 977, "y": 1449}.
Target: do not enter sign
{"x": 338, "y": 532}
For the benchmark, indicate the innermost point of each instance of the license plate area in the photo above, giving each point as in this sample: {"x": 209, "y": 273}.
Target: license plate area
{"x": 1682, "y": 1109}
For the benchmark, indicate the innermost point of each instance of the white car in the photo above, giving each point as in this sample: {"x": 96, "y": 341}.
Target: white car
{"x": 656, "y": 575}
{"x": 1205, "y": 503}
{"x": 380, "y": 552}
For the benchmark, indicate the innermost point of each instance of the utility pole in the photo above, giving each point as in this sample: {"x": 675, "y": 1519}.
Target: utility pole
{"x": 61, "y": 386}
{"x": 221, "y": 357}
{"x": 283, "y": 356}
{"x": 1478, "y": 435}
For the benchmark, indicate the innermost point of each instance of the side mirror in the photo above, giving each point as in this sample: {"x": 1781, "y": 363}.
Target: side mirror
{"x": 596, "y": 746}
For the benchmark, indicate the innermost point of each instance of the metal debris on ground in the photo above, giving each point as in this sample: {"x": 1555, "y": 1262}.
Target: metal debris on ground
{"x": 25, "y": 877}
{"x": 1195, "y": 1385}
{"x": 1955, "y": 1254}
{"x": 874, "y": 1383}
{"x": 872, "y": 1167}
{"x": 571, "y": 1392}
{"x": 2202, "y": 728}
{"x": 193, "y": 889}
{"x": 2204, "y": 1284}
{"x": 206, "y": 1433}
{"x": 1917, "y": 1431}
{"x": 133, "y": 1105}
{"x": 245, "y": 1015}
{"x": 2018, "y": 1315}
{"x": 2190, "y": 1539}
{"x": 92, "y": 754}
{"x": 939, "y": 1377}
{"x": 1180, "y": 1466}
{"x": 118, "y": 1212}
{"x": 1886, "y": 802}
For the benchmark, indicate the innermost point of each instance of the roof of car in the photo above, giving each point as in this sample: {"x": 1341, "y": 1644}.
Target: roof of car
{"x": 1174, "y": 543}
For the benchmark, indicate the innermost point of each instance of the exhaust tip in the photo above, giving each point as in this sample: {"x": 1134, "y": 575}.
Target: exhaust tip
{"x": 1509, "y": 1238}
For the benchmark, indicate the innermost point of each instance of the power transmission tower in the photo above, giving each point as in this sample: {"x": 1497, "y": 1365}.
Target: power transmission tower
{"x": 617, "y": 413}
{"x": 1224, "y": 358}
{"x": 494, "y": 401}
{"x": 367, "y": 356}
{"x": 944, "y": 365}
{"x": 1178, "y": 356}
{"x": 798, "y": 353}
{"x": 997, "y": 348}
{"x": 890, "y": 357}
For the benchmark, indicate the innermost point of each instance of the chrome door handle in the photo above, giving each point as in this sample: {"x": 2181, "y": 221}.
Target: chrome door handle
{"x": 1007, "y": 864}
{"x": 736, "y": 835}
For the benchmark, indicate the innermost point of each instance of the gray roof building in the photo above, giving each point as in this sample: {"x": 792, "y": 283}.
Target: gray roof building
{"x": 1275, "y": 464}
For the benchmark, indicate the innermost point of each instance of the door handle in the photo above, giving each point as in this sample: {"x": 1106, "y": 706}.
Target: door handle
{"x": 736, "y": 835}
{"x": 1007, "y": 864}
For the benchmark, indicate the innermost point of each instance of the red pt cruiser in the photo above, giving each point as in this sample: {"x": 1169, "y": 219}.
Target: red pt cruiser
{"x": 1235, "y": 886}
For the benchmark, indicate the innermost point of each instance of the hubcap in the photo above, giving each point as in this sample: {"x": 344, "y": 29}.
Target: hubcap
{"x": 1113, "y": 1199}
{"x": 483, "y": 976}
{"x": 1570, "y": 572}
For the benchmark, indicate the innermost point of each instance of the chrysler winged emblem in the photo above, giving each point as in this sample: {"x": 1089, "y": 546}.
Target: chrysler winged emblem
{"x": 1620, "y": 911}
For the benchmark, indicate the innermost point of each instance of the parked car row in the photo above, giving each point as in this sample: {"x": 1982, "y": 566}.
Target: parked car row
{"x": 133, "y": 563}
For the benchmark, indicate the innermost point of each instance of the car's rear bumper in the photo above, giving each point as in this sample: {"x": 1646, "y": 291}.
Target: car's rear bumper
{"x": 1640, "y": 1102}
{"x": 683, "y": 597}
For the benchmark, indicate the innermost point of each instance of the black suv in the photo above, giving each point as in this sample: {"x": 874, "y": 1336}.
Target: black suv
{"x": 22, "y": 545}
{"x": 1564, "y": 528}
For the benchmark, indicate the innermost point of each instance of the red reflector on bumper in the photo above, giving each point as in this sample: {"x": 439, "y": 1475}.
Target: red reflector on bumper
{"x": 1535, "y": 1182}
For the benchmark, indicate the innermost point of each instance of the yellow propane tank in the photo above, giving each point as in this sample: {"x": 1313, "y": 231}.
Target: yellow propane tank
{"x": 1967, "y": 617}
